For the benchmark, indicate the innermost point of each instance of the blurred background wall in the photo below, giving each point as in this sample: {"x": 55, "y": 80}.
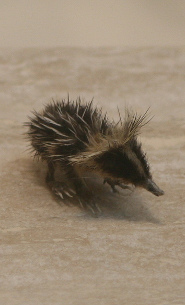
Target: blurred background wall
{"x": 51, "y": 23}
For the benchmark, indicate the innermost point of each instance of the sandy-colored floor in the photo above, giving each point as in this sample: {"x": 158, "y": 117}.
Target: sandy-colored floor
{"x": 135, "y": 252}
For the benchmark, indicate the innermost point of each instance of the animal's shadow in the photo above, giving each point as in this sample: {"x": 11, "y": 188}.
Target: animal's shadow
{"x": 125, "y": 205}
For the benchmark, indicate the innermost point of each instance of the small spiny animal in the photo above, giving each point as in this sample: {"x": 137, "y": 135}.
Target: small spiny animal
{"x": 76, "y": 137}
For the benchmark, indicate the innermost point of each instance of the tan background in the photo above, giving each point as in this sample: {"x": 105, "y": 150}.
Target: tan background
{"x": 25, "y": 23}
{"x": 55, "y": 254}
{"x": 134, "y": 253}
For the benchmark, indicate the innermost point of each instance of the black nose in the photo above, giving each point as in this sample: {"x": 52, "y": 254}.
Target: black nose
{"x": 153, "y": 188}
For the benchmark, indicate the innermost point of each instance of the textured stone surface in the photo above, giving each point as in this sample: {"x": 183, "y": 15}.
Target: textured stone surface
{"x": 55, "y": 254}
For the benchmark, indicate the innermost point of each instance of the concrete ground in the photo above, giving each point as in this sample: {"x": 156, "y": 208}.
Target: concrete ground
{"x": 55, "y": 254}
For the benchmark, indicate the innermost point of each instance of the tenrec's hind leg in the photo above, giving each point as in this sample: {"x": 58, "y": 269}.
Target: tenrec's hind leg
{"x": 60, "y": 189}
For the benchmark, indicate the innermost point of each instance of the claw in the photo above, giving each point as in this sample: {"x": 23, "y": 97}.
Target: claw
{"x": 98, "y": 208}
{"x": 81, "y": 204}
{"x": 72, "y": 191}
{"x": 67, "y": 193}
{"x": 63, "y": 190}
{"x": 124, "y": 187}
{"x": 112, "y": 184}
{"x": 91, "y": 209}
{"x": 114, "y": 189}
{"x": 95, "y": 209}
{"x": 59, "y": 194}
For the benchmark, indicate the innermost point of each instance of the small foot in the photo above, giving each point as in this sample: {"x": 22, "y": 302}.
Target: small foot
{"x": 113, "y": 183}
{"x": 62, "y": 190}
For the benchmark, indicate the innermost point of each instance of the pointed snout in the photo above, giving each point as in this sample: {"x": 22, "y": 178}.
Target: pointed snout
{"x": 153, "y": 188}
